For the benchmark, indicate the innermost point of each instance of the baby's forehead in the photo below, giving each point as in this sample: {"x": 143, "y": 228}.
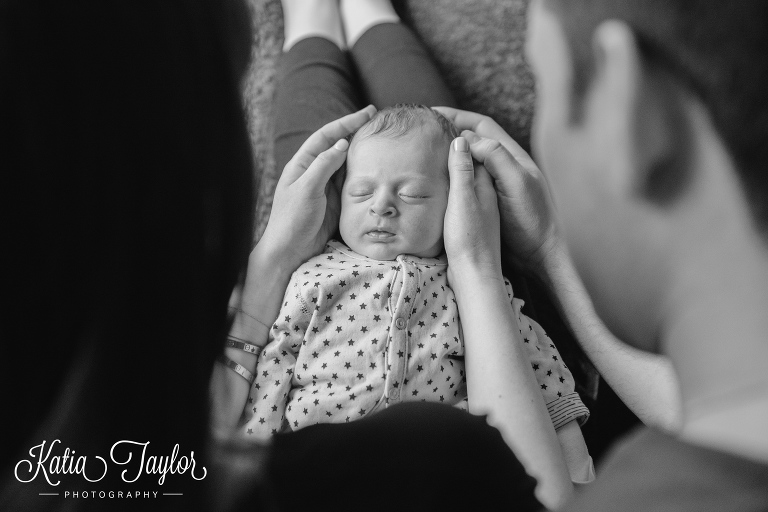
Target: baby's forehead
{"x": 428, "y": 133}
{"x": 424, "y": 145}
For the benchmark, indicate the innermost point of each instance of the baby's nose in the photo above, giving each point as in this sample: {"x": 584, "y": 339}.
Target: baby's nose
{"x": 383, "y": 207}
{"x": 383, "y": 210}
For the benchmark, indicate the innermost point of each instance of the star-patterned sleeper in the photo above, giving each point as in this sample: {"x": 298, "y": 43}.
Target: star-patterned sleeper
{"x": 355, "y": 335}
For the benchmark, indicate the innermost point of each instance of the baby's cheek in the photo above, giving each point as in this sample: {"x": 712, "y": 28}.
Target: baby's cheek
{"x": 439, "y": 219}
{"x": 347, "y": 221}
{"x": 428, "y": 229}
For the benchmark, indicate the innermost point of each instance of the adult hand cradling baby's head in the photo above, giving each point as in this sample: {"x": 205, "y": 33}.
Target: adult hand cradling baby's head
{"x": 305, "y": 212}
{"x": 472, "y": 217}
{"x": 527, "y": 217}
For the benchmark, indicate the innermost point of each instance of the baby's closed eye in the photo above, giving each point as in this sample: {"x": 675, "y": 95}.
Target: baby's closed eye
{"x": 414, "y": 194}
{"x": 360, "y": 192}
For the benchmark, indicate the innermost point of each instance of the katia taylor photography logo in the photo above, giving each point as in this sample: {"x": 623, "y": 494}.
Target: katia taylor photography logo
{"x": 133, "y": 459}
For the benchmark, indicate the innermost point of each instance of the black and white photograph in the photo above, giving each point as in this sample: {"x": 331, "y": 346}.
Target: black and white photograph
{"x": 376, "y": 255}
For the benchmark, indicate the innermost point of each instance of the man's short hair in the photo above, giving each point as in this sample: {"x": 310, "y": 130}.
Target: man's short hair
{"x": 716, "y": 49}
{"x": 401, "y": 119}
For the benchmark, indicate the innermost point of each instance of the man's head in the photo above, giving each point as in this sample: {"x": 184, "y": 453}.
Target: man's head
{"x": 635, "y": 99}
{"x": 396, "y": 187}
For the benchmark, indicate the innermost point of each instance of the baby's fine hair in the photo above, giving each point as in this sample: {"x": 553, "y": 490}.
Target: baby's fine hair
{"x": 403, "y": 118}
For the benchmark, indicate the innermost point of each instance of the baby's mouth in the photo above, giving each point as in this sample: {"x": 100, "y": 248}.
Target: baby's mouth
{"x": 380, "y": 234}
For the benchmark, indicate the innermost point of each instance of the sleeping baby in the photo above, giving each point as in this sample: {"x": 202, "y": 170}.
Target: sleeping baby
{"x": 372, "y": 321}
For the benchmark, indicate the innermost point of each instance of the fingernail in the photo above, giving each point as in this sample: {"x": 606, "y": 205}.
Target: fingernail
{"x": 460, "y": 144}
{"x": 370, "y": 110}
{"x": 342, "y": 145}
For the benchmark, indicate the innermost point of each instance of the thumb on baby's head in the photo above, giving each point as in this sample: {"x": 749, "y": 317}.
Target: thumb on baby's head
{"x": 460, "y": 166}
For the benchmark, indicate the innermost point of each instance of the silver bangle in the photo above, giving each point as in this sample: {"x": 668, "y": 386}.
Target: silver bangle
{"x": 233, "y": 342}
{"x": 237, "y": 368}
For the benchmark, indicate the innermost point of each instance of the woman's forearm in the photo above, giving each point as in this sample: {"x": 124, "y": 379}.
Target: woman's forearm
{"x": 257, "y": 309}
{"x": 266, "y": 280}
{"x": 646, "y": 383}
{"x": 501, "y": 384}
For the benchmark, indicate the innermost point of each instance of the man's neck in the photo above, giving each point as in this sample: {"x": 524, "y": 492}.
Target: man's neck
{"x": 715, "y": 307}
{"x": 717, "y": 338}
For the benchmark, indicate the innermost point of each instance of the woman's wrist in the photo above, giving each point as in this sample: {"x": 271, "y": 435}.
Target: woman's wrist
{"x": 265, "y": 283}
{"x": 269, "y": 270}
{"x": 553, "y": 266}
{"x": 466, "y": 279}
{"x": 248, "y": 327}
{"x": 562, "y": 281}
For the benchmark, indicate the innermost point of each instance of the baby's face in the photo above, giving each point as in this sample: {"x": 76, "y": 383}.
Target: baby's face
{"x": 395, "y": 194}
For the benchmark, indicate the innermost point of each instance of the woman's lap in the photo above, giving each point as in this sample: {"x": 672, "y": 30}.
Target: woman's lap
{"x": 395, "y": 67}
{"x": 317, "y": 82}
{"x": 315, "y": 85}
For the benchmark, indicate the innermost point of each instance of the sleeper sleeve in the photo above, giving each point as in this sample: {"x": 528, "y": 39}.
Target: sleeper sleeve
{"x": 265, "y": 408}
{"x": 553, "y": 376}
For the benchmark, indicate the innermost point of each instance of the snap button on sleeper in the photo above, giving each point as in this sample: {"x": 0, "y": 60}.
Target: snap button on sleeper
{"x": 400, "y": 323}
{"x": 394, "y": 394}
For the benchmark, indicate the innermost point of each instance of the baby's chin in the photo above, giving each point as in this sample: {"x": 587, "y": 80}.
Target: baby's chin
{"x": 390, "y": 251}
{"x": 377, "y": 251}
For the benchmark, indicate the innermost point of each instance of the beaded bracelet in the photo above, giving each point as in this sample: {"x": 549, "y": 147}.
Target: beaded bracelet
{"x": 234, "y": 342}
{"x": 237, "y": 368}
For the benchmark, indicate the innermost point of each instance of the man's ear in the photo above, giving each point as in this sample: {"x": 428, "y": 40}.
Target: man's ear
{"x": 611, "y": 103}
{"x": 662, "y": 137}
{"x": 642, "y": 109}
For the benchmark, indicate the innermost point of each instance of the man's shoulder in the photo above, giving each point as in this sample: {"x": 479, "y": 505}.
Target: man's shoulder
{"x": 653, "y": 471}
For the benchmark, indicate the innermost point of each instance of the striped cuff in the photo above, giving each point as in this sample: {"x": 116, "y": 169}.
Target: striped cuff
{"x": 566, "y": 408}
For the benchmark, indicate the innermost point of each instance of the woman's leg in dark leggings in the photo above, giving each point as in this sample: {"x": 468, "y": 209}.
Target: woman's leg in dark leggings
{"x": 395, "y": 67}
{"x": 316, "y": 84}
